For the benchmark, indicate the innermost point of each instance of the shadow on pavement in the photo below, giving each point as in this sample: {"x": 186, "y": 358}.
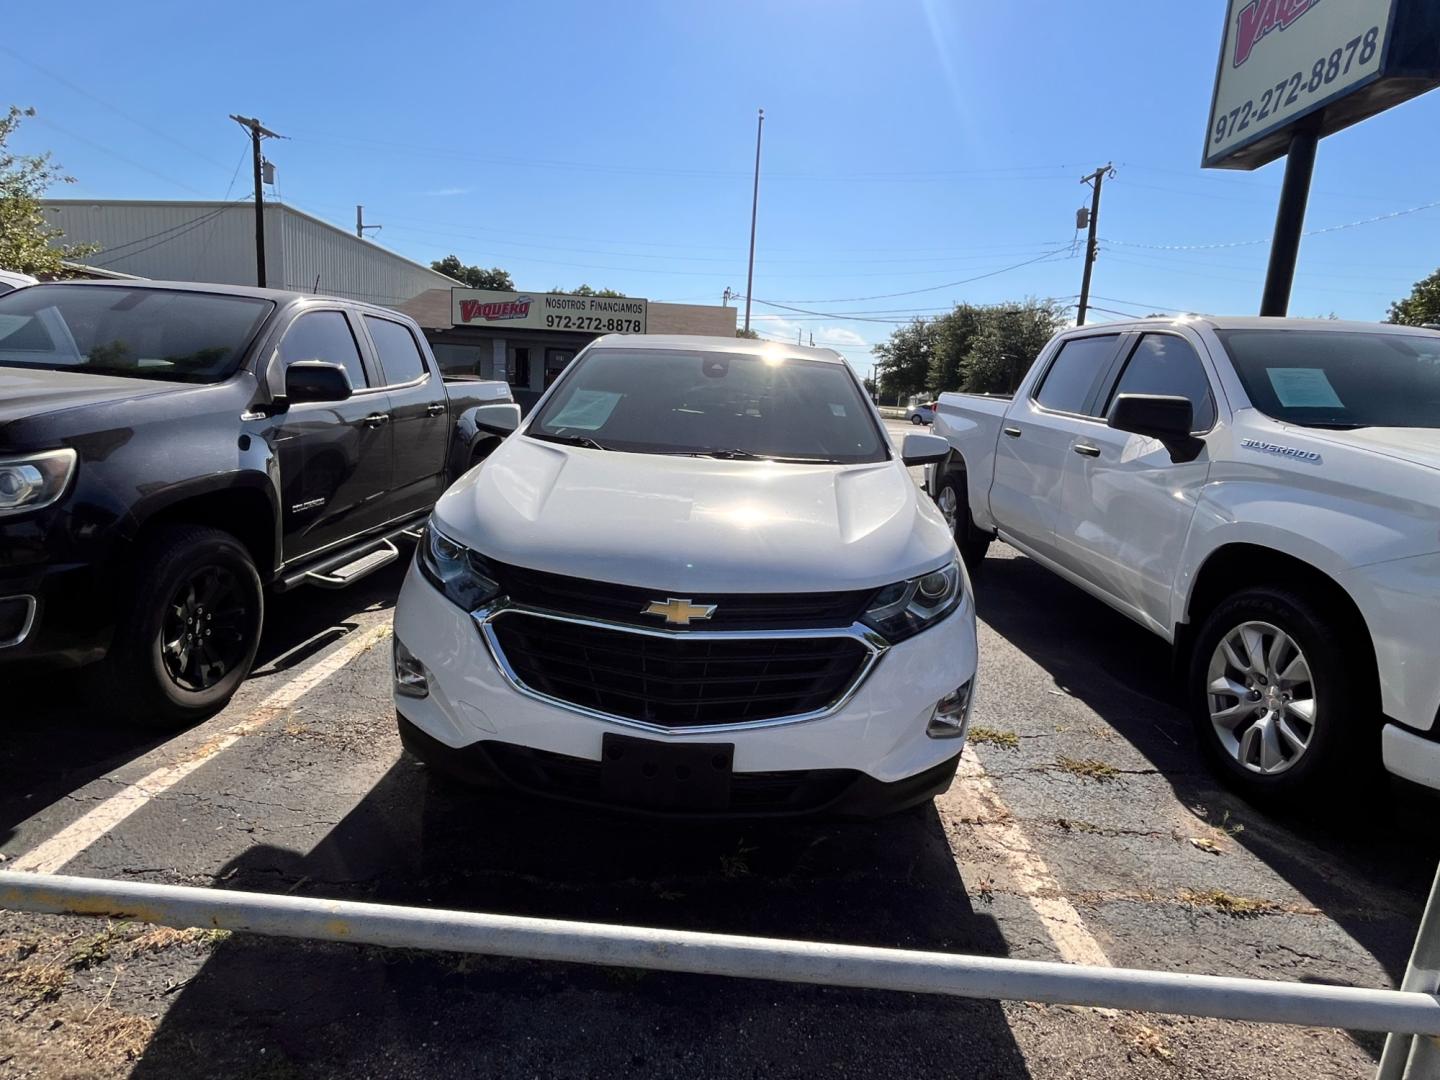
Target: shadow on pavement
{"x": 53, "y": 741}
{"x": 417, "y": 839}
{"x": 1366, "y": 861}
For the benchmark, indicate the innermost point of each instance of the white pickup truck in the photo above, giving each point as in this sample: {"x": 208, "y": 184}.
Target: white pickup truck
{"x": 1262, "y": 493}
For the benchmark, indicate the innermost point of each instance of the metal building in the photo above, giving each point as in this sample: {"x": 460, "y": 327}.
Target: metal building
{"x": 215, "y": 241}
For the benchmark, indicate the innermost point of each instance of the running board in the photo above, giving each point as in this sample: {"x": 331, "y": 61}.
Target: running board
{"x": 351, "y": 572}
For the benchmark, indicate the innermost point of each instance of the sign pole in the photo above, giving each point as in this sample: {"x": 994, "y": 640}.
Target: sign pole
{"x": 1290, "y": 218}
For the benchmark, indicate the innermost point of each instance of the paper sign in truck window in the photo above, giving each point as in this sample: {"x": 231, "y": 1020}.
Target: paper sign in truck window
{"x": 587, "y": 410}
{"x": 1303, "y": 388}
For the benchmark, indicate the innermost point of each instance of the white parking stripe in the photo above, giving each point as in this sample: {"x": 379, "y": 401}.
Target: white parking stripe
{"x": 997, "y": 829}
{"x": 70, "y": 841}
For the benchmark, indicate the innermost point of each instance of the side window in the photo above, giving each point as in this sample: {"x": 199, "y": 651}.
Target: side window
{"x": 1166, "y": 364}
{"x": 324, "y": 335}
{"x": 1073, "y": 372}
{"x": 399, "y": 355}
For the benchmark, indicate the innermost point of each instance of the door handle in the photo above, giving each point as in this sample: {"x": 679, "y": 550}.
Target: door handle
{"x": 377, "y": 419}
{"x": 435, "y": 408}
{"x": 1085, "y": 450}
{"x": 1013, "y": 432}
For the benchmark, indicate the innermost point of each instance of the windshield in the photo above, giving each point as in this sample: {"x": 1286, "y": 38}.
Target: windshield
{"x": 728, "y": 405}
{"x": 134, "y": 332}
{"x": 1337, "y": 379}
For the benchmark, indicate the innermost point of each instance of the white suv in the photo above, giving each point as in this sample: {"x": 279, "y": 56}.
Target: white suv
{"x": 697, "y": 581}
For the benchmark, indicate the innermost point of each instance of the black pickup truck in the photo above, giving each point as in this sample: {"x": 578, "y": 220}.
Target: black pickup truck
{"x": 169, "y": 451}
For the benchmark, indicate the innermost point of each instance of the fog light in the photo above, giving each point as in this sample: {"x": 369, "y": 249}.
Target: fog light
{"x": 410, "y": 675}
{"x": 952, "y": 714}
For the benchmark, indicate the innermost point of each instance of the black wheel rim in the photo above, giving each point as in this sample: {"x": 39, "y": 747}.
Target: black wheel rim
{"x": 207, "y": 628}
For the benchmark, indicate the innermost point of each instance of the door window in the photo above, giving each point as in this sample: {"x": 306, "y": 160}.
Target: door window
{"x": 324, "y": 335}
{"x": 1166, "y": 364}
{"x": 1073, "y": 373}
{"x": 400, "y": 357}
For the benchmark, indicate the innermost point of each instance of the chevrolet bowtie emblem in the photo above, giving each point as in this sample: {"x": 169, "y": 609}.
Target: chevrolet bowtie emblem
{"x": 679, "y": 612}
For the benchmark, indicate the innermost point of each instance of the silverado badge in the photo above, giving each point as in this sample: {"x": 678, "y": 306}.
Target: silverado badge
{"x": 679, "y": 612}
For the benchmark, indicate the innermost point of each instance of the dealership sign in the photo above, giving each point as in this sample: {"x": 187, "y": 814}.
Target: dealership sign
{"x": 1334, "y": 61}
{"x": 549, "y": 311}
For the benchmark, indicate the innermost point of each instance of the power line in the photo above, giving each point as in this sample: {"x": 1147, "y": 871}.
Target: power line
{"x": 117, "y": 155}
{"x": 175, "y": 234}
{"x": 1309, "y": 232}
{"x": 157, "y": 132}
{"x": 912, "y": 292}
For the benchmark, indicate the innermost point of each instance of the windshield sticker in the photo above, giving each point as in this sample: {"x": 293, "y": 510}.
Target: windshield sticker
{"x": 1303, "y": 388}
{"x": 837, "y": 410}
{"x": 587, "y": 410}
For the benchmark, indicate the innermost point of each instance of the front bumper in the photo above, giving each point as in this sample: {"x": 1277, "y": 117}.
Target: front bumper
{"x": 878, "y": 734}
{"x": 71, "y": 621}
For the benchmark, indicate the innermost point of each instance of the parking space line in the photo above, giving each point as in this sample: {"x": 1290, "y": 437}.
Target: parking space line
{"x": 999, "y": 832}
{"x": 70, "y": 841}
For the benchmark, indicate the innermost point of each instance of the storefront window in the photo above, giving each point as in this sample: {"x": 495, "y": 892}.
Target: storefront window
{"x": 465, "y": 360}
{"x": 519, "y": 373}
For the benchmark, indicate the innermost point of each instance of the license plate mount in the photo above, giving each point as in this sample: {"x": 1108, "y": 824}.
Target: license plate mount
{"x": 666, "y": 776}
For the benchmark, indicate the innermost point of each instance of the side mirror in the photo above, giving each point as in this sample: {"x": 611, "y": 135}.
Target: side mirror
{"x": 1160, "y": 416}
{"x": 315, "y": 380}
{"x": 499, "y": 419}
{"x": 923, "y": 449}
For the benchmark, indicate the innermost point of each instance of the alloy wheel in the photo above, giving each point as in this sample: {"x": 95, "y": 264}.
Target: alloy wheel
{"x": 949, "y": 505}
{"x": 1261, "y": 698}
{"x": 207, "y": 628}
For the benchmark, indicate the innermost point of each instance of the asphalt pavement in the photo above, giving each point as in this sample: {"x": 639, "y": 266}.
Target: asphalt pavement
{"x": 1083, "y": 827}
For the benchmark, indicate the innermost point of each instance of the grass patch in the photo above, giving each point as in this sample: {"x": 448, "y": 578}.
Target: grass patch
{"x": 117, "y": 1035}
{"x": 159, "y": 938}
{"x": 1227, "y": 903}
{"x": 36, "y": 982}
{"x": 1088, "y": 769}
{"x": 1006, "y": 740}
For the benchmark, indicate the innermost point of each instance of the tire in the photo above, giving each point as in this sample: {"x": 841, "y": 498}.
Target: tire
{"x": 915, "y": 419}
{"x": 180, "y": 570}
{"x": 1269, "y": 750}
{"x": 954, "y": 502}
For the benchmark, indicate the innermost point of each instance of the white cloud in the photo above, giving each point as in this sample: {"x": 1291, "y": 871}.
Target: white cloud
{"x": 447, "y": 192}
{"x": 838, "y": 335}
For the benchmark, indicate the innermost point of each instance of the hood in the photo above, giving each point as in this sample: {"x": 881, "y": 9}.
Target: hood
{"x": 1419, "y": 446}
{"x": 698, "y": 524}
{"x": 28, "y": 392}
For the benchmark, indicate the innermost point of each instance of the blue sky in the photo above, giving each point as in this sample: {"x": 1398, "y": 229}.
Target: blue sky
{"x": 908, "y": 145}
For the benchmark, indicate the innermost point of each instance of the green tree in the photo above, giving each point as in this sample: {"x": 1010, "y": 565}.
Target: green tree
{"x": 747, "y": 334}
{"x": 586, "y": 290}
{"x": 474, "y": 277}
{"x": 980, "y": 349}
{"x": 1010, "y": 338}
{"x": 28, "y": 243}
{"x": 902, "y": 365}
{"x": 1421, "y": 306}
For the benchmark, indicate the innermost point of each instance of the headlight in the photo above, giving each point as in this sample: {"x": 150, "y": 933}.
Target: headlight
{"x": 902, "y": 610}
{"x": 459, "y": 573}
{"x": 35, "y": 480}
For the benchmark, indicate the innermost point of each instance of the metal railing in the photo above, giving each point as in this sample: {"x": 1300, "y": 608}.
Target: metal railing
{"x": 1413, "y": 1012}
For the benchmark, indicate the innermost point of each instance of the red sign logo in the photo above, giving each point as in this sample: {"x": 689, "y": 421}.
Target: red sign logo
{"x": 1259, "y": 17}
{"x": 495, "y": 310}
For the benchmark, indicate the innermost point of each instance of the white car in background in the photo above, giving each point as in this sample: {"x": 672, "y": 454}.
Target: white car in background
{"x": 698, "y": 581}
{"x": 11, "y": 280}
{"x": 921, "y": 414}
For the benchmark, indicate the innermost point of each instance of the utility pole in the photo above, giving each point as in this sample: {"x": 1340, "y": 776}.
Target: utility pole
{"x": 257, "y": 132}
{"x": 754, "y": 207}
{"x": 360, "y": 225}
{"x": 726, "y": 296}
{"x": 1092, "y": 249}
